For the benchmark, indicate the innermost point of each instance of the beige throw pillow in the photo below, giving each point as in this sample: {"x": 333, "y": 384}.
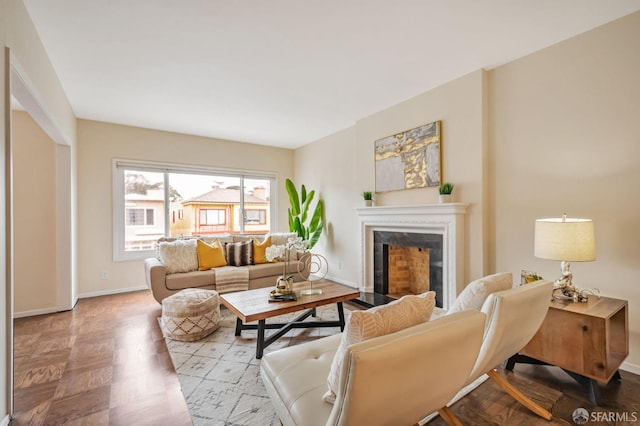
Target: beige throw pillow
{"x": 179, "y": 255}
{"x": 474, "y": 295}
{"x": 379, "y": 321}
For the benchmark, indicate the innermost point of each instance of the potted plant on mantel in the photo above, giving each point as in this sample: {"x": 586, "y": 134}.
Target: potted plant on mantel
{"x": 445, "y": 192}
{"x": 368, "y": 198}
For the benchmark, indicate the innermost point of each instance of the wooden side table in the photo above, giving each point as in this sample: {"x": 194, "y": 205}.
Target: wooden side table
{"x": 589, "y": 340}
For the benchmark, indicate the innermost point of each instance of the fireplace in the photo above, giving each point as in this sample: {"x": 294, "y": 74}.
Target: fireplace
{"x": 435, "y": 228}
{"x": 407, "y": 263}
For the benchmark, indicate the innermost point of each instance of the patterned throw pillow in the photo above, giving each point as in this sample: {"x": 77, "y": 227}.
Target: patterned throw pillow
{"x": 260, "y": 250}
{"x": 474, "y": 295}
{"x": 375, "y": 322}
{"x": 179, "y": 255}
{"x": 210, "y": 255}
{"x": 240, "y": 254}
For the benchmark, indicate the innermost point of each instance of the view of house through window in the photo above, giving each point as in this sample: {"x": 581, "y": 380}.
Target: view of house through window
{"x": 191, "y": 204}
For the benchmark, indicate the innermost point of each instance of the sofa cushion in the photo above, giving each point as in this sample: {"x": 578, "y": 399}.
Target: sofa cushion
{"x": 385, "y": 319}
{"x": 474, "y": 294}
{"x": 210, "y": 255}
{"x": 280, "y": 238}
{"x": 239, "y": 254}
{"x": 260, "y": 249}
{"x": 266, "y": 270}
{"x": 191, "y": 279}
{"x": 222, "y": 238}
{"x": 179, "y": 255}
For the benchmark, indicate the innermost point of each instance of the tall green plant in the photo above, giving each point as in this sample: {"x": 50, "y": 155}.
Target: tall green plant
{"x": 303, "y": 220}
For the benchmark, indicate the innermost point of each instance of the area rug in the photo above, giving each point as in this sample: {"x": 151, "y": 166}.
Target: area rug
{"x": 220, "y": 375}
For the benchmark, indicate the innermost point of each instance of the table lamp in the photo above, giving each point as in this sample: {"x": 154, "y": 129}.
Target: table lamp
{"x": 567, "y": 240}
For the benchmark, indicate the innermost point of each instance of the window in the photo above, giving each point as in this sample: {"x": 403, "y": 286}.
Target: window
{"x": 258, "y": 217}
{"x": 212, "y": 217}
{"x": 139, "y": 217}
{"x": 154, "y": 200}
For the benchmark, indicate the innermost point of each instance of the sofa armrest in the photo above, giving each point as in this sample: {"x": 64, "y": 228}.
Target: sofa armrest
{"x": 155, "y": 275}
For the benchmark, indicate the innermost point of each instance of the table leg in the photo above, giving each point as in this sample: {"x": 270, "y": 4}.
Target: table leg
{"x": 260, "y": 342}
{"x": 341, "y": 316}
{"x": 238, "y": 326}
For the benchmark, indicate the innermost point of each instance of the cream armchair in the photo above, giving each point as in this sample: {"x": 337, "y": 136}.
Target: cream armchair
{"x": 513, "y": 317}
{"x": 395, "y": 379}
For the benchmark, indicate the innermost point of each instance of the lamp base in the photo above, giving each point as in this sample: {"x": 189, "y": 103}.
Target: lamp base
{"x": 564, "y": 291}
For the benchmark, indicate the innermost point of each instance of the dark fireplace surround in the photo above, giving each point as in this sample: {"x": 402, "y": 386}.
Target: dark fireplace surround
{"x": 432, "y": 242}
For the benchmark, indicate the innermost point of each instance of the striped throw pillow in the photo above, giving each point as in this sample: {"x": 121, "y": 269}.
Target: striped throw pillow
{"x": 239, "y": 254}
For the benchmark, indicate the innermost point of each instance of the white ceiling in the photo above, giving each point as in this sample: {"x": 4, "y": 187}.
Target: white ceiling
{"x": 285, "y": 72}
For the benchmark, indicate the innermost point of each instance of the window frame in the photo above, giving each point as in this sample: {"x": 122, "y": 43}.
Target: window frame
{"x": 220, "y": 212}
{"x": 118, "y": 212}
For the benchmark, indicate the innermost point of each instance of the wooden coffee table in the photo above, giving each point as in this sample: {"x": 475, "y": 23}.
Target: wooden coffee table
{"x": 254, "y": 305}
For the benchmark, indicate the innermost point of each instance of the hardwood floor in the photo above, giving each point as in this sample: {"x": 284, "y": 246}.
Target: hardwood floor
{"x": 106, "y": 362}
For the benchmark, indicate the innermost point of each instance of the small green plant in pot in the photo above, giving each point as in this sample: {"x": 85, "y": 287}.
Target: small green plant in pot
{"x": 446, "y": 189}
{"x": 368, "y": 198}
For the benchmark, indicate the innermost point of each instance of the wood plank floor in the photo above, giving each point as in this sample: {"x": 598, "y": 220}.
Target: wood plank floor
{"x": 106, "y": 362}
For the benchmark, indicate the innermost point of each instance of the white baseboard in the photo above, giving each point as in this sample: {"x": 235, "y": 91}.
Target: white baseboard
{"x": 6, "y": 420}
{"x": 631, "y": 368}
{"x": 34, "y": 312}
{"x": 109, "y": 292}
{"x": 341, "y": 281}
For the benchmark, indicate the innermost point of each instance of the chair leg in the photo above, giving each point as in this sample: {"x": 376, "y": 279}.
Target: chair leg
{"x": 448, "y": 416}
{"x": 518, "y": 396}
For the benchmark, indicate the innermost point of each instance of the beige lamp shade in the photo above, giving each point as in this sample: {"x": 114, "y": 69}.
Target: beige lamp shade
{"x": 566, "y": 239}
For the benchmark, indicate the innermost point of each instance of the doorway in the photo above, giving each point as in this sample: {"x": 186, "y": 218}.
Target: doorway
{"x": 43, "y": 194}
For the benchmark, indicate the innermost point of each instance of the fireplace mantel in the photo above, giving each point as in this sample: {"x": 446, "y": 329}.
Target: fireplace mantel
{"x": 445, "y": 219}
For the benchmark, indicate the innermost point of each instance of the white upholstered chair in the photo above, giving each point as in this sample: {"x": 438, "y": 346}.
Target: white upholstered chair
{"x": 513, "y": 317}
{"x": 395, "y": 379}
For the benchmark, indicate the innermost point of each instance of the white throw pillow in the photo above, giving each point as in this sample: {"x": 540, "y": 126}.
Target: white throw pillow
{"x": 474, "y": 295}
{"x": 179, "y": 255}
{"x": 385, "y": 319}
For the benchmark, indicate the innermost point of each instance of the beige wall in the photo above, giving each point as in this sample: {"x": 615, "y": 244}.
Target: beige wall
{"x": 6, "y": 347}
{"x": 341, "y": 166}
{"x": 99, "y": 143}
{"x": 17, "y": 32}
{"x": 566, "y": 138}
{"x": 34, "y": 230}
{"x": 556, "y": 131}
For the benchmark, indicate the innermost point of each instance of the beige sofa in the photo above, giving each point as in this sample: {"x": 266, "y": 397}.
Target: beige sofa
{"x": 163, "y": 284}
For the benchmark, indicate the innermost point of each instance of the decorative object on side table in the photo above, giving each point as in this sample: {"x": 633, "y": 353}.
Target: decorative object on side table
{"x": 568, "y": 240}
{"x": 527, "y": 277}
{"x": 446, "y": 190}
{"x": 284, "y": 284}
{"x": 317, "y": 267}
{"x": 368, "y": 198}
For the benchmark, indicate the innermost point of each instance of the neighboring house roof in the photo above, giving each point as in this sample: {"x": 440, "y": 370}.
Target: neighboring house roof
{"x": 151, "y": 195}
{"x": 224, "y": 196}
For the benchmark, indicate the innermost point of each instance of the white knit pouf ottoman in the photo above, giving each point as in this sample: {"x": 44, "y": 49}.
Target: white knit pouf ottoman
{"x": 190, "y": 314}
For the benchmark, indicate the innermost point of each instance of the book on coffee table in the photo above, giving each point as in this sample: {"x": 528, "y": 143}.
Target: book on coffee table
{"x": 277, "y": 297}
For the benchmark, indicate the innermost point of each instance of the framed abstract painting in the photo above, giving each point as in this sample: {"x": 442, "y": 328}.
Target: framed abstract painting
{"x": 410, "y": 159}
